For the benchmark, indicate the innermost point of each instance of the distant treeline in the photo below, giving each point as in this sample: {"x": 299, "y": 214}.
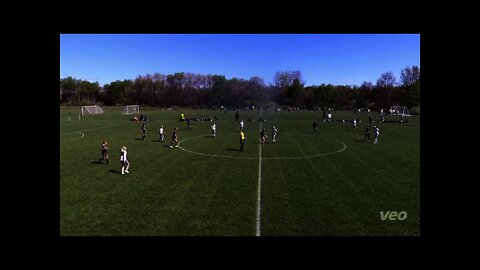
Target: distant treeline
{"x": 288, "y": 89}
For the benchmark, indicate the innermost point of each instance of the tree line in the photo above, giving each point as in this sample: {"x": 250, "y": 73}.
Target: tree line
{"x": 203, "y": 91}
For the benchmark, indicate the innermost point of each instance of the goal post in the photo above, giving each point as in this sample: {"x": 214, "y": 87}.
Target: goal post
{"x": 94, "y": 109}
{"x": 400, "y": 110}
{"x": 131, "y": 109}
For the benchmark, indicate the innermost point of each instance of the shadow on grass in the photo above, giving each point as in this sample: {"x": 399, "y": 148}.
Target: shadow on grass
{"x": 233, "y": 149}
{"x": 166, "y": 145}
{"x": 114, "y": 171}
{"x": 138, "y": 139}
{"x": 96, "y": 162}
{"x": 361, "y": 141}
{"x": 157, "y": 141}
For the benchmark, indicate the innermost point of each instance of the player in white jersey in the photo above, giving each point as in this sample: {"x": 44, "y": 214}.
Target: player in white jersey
{"x": 161, "y": 132}
{"x": 124, "y": 160}
{"x": 241, "y": 125}
{"x": 214, "y": 129}
{"x": 376, "y": 133}
{"x": 274, "y": 134}
{"x": 354, "y": 123}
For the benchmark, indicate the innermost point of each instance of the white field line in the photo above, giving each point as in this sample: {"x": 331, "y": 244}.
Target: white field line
{"x": 86, "y": 130}
{"x": 83, "y": 135}
{"x": 259, "y": 192}
{"x": 80, "y": 132}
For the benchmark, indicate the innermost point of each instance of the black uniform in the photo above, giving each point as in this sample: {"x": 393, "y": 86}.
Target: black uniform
{"x": 144, "y": 132}
{"x": 237, "y": 115}
{"x": 367, "y": 133}
{"x": 315, "y": 126}
{"x": 104, "y": 153}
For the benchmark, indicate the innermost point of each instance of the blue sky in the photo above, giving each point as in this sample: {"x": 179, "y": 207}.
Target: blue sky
{"x": 335, "y": 59}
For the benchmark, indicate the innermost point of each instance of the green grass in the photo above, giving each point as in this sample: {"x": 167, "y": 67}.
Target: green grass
{"x": 170, "y": 192}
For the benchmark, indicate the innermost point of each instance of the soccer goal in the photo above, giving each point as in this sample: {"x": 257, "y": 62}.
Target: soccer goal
{"x": 94, "y": 109}
{"x": 400, "y": 110}
{"x": 131, "y": 109}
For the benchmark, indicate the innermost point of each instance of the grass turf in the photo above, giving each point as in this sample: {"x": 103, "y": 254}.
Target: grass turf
{"x": 171, "y": 192}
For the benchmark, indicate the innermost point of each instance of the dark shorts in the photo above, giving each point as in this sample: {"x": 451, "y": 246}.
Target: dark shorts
{"x": 104, "y": 152}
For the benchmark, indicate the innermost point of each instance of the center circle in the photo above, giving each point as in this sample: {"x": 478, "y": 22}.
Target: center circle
{"x": 339, "y": 148}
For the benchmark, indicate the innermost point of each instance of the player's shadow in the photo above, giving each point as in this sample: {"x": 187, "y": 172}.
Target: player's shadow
{"x": 96, "y": 162}
{"x": 361, "y": 141}
{"x": 138, "y": 139}
{"x": 114, "y": 171}
{"x": 156, "y": 141}
{"x": 208, "y": 136}
{"x": 233, "y": 149}
{"x": 166, "y": 145}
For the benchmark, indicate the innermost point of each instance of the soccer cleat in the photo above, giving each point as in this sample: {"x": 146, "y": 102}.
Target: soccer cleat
{"x": 127, "y": 172}
{"x": 171, "y": 146}
{"x": 123, "y": 173}
{"x": 176, "y": 146}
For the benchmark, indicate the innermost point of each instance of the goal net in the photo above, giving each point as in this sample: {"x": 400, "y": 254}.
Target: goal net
{"x": 400, "y": 110}
{"x": 94, "y": 109}
{"x": 131, "y": 109}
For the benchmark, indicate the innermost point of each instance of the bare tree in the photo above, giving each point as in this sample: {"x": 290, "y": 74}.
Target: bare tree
{"x": 387, "y": 80}
{"x": 286, "y": 78}
{"x": 410, "y": 75}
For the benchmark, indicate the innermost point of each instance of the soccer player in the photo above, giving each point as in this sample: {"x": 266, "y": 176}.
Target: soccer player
{"x": 376, "y": 133}
{"x": 315, "y": 126}
{"x": 237, "y": 114}
{"x": 189, "y": 124}
{"x": 182, "y": 117}
{"x": 242, "y": 140}
{"x": 104, "y": 152}
{"x": 124, "y": 160}
{"x": 241, "y": 125}
{"x": 354, "y": 123}
{"x": 324, "y": 116}
{"x": 263, "y": 136}
{"x": 329, "y": 116}
{"x": 143, "y": 131}
{"x": 369, "y": 117}
{"x": 214, "y": 129}
{"x": 367, "y": 133}
{"x": 274, "y": 134}
{"x": 161, "y": 132}
{"x": 174, "y": 138}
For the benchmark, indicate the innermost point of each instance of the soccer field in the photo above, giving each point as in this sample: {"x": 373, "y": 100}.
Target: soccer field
{"x": 327, "y": 184}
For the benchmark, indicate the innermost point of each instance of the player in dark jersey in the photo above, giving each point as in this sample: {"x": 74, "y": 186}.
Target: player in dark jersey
{"x": 174, "y": 138}
{"x": 367, "y": 133}
{"x": 237, "y": 114}
{"x": 189, "y": 124}
{"x": 143, "y": 131}
{"x": 104, "y": 152}
{"x": 263, "y": 136}
{"x": 315, "y": 126}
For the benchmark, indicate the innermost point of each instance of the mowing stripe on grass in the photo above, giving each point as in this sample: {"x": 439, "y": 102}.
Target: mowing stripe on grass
{"x": 259, "y": 193}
